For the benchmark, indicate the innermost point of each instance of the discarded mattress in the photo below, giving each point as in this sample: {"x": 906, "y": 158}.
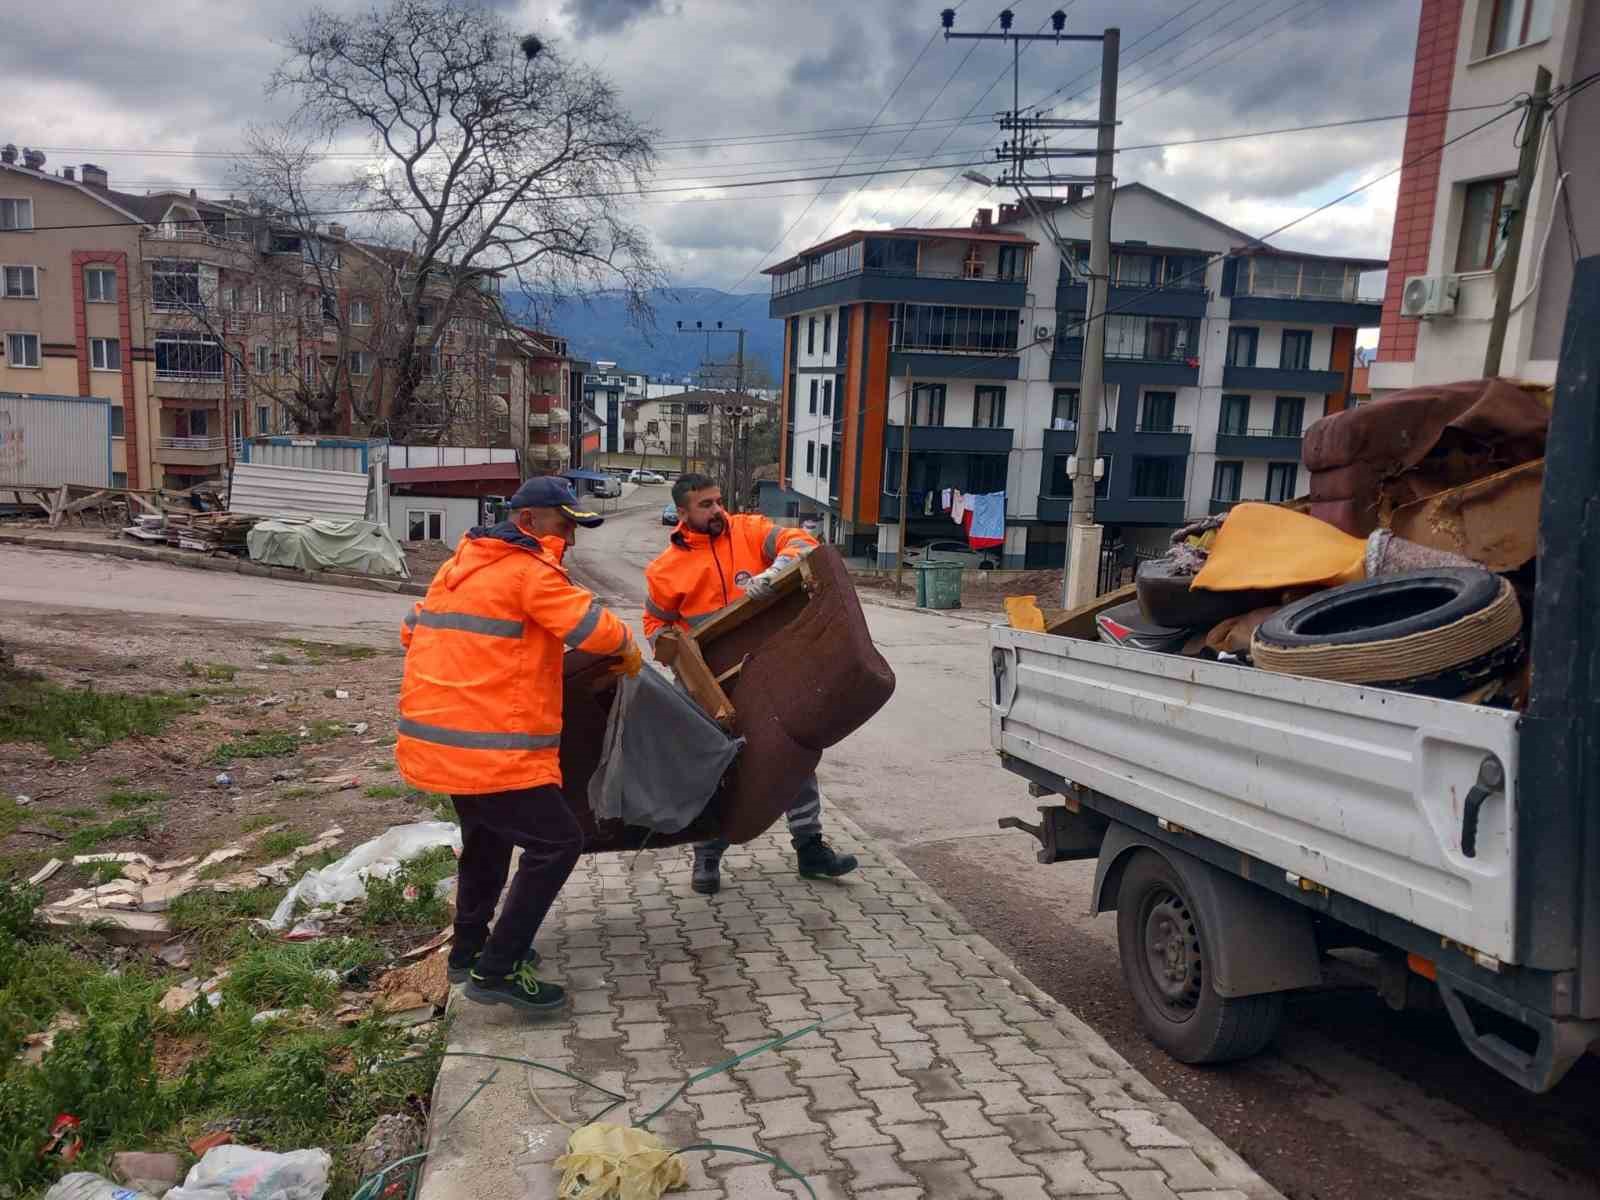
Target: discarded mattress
{"x": 354, "y": 547}
{"x": 810, "y": 676}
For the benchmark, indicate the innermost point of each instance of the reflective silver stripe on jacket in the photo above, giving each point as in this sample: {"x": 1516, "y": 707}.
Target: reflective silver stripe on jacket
{"x": 585, "y": 626}
{"x": 469, "y": 739}
{"x": 470, "y": 623}
{"x": 696, "y": 622}
{"x": 411, "y": 619}
{"x": 659, "y": 613}
{"x": 769, "y": 548}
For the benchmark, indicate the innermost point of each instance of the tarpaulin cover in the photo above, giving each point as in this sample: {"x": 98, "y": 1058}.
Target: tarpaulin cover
{"x": 356, "y": 547}
{"x": 663, "y": 757}
{"x": 1265, "y": 546}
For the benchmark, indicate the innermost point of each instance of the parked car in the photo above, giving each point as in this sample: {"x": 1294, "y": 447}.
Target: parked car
{"x": 606, "y": 489}
{"x": 669, "y": 514}
{"x": 982, "y": 560}
{"x": 637, "y": 476}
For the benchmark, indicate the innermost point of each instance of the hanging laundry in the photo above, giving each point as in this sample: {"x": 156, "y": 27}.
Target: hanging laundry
{"x": 944, "y": 500}
{"x": 927, "y": 503}
{"x": 988, "y": 526}
{"x": 958, "y": 505}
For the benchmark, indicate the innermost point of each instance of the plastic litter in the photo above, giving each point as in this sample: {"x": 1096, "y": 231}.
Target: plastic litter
{"x": 610, "y": 1161}
{"x": 224, "y": 779}
{"x": 240, "y": 1173}
{"x": 85, "y": 1185}
{"x": 346, "y": 880}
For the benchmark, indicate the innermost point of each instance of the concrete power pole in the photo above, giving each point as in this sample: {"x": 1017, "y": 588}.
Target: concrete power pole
{"x": 1505, "y": 271}
{"x": 1084, "y": 535}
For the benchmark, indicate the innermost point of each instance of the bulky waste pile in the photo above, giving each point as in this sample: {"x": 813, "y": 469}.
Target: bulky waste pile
{"x": 1411, "y": 567}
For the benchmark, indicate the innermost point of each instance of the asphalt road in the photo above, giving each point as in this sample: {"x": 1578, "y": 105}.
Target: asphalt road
{"x": 1353, "y": 1101}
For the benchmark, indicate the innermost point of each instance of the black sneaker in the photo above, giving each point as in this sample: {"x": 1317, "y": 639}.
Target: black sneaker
{"x": 520, "y": 989}
{"x": 707, "y": 877}
{"x": 462, "y": 960}
{"x": 818, "y": 860}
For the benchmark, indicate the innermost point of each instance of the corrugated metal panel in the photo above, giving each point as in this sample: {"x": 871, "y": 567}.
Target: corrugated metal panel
{"x": 50, "y": 440}
{"x": 262, "y": 490}
{"x": 312, "y": 453}
{"x": 406, "y": 457}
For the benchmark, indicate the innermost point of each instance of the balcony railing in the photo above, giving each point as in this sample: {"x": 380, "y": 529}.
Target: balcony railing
{"x": 1162, "y": 427}
{"x": 976, "y": 275}
{"x": 1260, "y": 433}
{"x": 190, "y": 443}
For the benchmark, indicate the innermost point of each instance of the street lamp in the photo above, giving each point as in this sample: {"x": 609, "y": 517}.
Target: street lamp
{"x": 977, "y": 177}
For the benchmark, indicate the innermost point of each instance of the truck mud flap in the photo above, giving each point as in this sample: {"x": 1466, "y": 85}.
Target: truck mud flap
{"x": 1561, "y": 1043}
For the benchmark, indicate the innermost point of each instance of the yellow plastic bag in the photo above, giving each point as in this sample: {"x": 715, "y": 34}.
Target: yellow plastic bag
{"x": 1265, "y": 546}
{"x": 1023, "y": 613}
{"x": 618, "y": 1162}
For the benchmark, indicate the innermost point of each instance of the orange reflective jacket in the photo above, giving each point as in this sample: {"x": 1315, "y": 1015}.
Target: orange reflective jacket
{"x": 697, "y": 576}
{"x": 480, "y": 702}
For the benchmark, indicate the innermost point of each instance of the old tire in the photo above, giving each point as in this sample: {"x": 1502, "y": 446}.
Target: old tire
{"x": 1421, "y": 625}
{"x": 1166, "y": 965}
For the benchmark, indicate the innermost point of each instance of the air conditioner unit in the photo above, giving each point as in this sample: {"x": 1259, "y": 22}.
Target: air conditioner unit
{"x": 1040, "y": 332}
{"x": 1430, "y": 296}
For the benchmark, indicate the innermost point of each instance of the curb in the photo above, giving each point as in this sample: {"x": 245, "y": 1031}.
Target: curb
{"x": 972, "y": 616}
{"x": 1208, "y": 1147}
{"x": 230, "y": 566}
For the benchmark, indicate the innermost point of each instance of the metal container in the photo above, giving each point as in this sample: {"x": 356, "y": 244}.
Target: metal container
{"x": 314, "y": 453}
{"x": 939, "y": 584}
{"x": 46, "y": 441}
{"x": 285, "y": 491}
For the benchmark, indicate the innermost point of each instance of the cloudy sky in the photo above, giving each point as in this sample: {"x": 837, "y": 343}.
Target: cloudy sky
{"x": 751, "y": 89}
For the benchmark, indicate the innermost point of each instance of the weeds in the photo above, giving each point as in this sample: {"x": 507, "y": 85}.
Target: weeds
{"x": 104, "y": 872}
{"x": 134, "y": 825}
{"x": 322, "y": 652}
{"x": 259, "y": 821}
{"x": 211, "y": 672}
{"x": 287, "y": 976}
{"x": 300, "y": 793}
{"x": 386, "y": 791}
{"x": 68, "y": 721}
{"x": 285, "y": 841}
{"x": 409, "y": 896}
{"x": 440, "y": 805}
{"x": 276, "y": 744}
{"x": 133, "y": 799}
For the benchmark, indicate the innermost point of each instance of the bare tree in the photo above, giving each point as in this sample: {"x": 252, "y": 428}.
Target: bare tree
{"x": 494, "y": 157}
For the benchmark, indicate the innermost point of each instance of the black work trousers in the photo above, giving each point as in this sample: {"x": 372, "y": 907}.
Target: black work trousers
{"x": 538, "y": 821}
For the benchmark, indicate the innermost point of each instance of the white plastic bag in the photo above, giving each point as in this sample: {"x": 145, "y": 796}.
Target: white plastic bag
{"x": 85, "y": 1185}
{"x": 240, "y": 1173}
{"x": 345, "y": 880}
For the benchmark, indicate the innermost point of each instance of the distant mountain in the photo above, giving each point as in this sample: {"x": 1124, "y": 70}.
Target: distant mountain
{"x": 600, "y": 329}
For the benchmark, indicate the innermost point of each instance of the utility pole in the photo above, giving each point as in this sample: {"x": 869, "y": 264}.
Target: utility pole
{"x": 905, "y": 481}
{"x": 700, "y": 327}
{"x": 1505, "y": 271}
{"x": 1083, "y": 535}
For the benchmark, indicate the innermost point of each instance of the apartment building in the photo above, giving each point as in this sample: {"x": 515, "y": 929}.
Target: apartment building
{"x": 205, "y": 322}
{"x": 534, "y": 376}
{"x": 1455, "y": 196}
{"x": 1219, "y": 353}
{"x": 609, "y": 392}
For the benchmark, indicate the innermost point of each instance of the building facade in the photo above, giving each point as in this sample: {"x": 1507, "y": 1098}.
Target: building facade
{"x": 1451, "y": 212}
{"x": 534, "y": 376}
{"x": 609, "y": 392}
{"x": 1219, "y": 353}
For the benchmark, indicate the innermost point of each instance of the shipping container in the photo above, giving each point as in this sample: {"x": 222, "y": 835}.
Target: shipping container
{"x": 314, "y": 453}
{"x": 403, "y": 458}
{"x": 286, "y": 491}
{"x": 46, "y": 441}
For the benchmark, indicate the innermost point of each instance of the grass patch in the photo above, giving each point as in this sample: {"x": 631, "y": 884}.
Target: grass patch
{"x": 216, "y": 921}
{"x": 386, "y": 791}
{"x": 132, "y": 799}
{"x": 387, "y": 902}
{"x": 211, "y": 672}
{"x": 69, "y": 721}
{"x": 276, "y": 744}
{"x": 134, "y": 825}
{"x": 300, "y": 793}
{"x": 287, "y": 976}
{"x": 324, "y": 731}
{"x": 440, "y": 805}
{"x": 279, "y": 659}
{"x": 285, "y": 841}
{"x": 259, "y": 821}
{"x": 322, "y": 652}
{"x": 104, "y": 872}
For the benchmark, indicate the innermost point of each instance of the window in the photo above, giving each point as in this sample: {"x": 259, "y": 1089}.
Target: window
{"x": 1069, "y": 334}
{"x": 261, "y": 299}
{"x": 1242, "y": 346}
{"x": 16, "y": 214}
{"x": 1135, "y": 269}
{"x": 285, "y": 360}
{"x": 927, "y": 404}
{"x": 188, "y": 356}
{"x": 827, "y": 333}
{"x": 1483, "y": 223}
{"x": 1516, "y": 23}
{"x": 1288, "y": 415}
{"x": 822, "y": 463}
{"x": 1281, "y": 479}
{"x": 1013, "y": 262}
{"x": 812, "y": 407}
{"x": 22, "y": 349}
{"x": 955, "y": 329}
{"x": 1225, "y": 480}
{"x": 118, "y": 428}
{"x": 100, "y": 285}
{"x": 263, "y": 418}
{"x": 360, "y": 362}
{"x": 989, "y": 408}
{"x": 263, "y": 360}
{"x": 896, "y": 255}
{"x": 811, "y": 458}
{"x": 1161, "y": 339}
{"x": 827, "y": 397}
{"x": 1158, "y": 478}
{"x": 199, "y": 423}
{"x": 811, "y": 335}
{"x": 1296, "y": 355}
{"x": 424, "y": 524}
{"x": 311, "y": 369}
{"x": 175, "y": 284}
{"x": 105, "y": 354}
{"x": 119, "y": 479}
{"x": 361, "y": 312}
{"x": 1157, "y": 411}
{"x": 21, "y": 283}
{"x": 1235, "y": 420}
{"x": 330, "y": 307}
{"x": 1064, "y": 409}
{"x": 285, "y": 301}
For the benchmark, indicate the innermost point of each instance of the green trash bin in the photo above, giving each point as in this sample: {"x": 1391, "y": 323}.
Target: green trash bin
{"x": 939, "y": 585}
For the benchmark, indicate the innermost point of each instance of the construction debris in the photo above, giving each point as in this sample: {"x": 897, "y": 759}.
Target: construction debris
{"x": 36, "y": 1045}
{"x": 428, "y": 980}
{"x": 45, "y": 872}
{"x": 128, "y": 928}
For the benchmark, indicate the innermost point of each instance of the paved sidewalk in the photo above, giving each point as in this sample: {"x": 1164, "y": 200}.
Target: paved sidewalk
{"x": 943, "y": 1073}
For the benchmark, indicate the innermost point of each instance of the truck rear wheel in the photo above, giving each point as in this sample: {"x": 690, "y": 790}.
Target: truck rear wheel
{"x": 1167, "y": 966}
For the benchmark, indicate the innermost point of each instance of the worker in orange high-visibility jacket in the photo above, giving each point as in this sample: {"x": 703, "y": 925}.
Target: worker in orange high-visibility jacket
{"x": 480, "y": 719}
{"x": 715, "y": 558}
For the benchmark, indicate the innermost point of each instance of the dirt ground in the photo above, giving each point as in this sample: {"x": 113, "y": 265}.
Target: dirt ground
{"x": 982, "y": 590}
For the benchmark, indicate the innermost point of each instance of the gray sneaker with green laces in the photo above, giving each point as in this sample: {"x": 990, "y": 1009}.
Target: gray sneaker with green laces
{"x": 522, "y": 988}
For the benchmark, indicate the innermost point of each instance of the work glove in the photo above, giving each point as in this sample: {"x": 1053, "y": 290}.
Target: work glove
{"x": 761, "y": 585}
{"x": 629, "y": 660}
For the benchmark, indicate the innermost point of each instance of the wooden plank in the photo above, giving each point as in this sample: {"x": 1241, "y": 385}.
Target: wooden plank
{"x": 732, "y": 672}
{"x": 748, "y": 607}
{"x": 1079, "y": 622}
{"x": 683, "y": 655}
{"x": 88, "y": 501}
{"x": 58, "y": 508}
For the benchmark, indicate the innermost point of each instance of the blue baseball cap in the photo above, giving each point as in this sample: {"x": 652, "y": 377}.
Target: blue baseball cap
{"x": 551, "y": 491}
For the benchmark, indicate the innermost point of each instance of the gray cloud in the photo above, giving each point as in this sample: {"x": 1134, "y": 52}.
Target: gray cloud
{"x": 595, "y": 17}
